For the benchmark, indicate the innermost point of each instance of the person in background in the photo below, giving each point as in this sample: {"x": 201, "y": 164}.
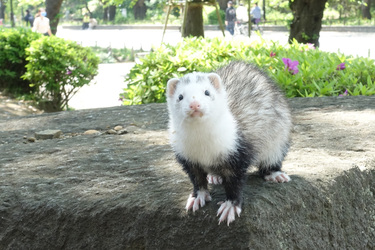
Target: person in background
{"x": 29, "y": 19}
{"x": 256, "y": 14}
{"x": 241, "y": 13}
{"x": 86, "y": 20}
{"x": 93, "y": 23}
{"x": 41, "y": 23}
{"x": 230, "y": 17}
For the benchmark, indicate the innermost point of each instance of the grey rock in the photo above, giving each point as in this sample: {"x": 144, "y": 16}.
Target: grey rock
{"x": 48, "y": 134}
{"x": 128, "y": 192}
{"x": 122, "y": 132}
{"x": 31, "y": 139}
{"x": 91, "y": 132}
{"x": 112, "y": 132}
{"x": 118, "y": 128}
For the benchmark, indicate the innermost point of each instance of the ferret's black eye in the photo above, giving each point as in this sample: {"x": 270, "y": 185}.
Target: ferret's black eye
{"x": 207, "y": 93}
{"x": 180, "y": 97}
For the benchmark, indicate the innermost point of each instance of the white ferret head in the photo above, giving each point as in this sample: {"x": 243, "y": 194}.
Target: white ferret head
{"x": 195, "y": 97}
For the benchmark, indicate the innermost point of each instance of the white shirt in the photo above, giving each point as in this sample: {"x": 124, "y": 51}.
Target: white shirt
{"x": 41, "y": 25}
{"x": 241, "y": 13}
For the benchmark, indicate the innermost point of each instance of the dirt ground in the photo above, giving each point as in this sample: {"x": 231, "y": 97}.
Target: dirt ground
{"x": 11, "y": 107}
{"x": 112, "y": 190}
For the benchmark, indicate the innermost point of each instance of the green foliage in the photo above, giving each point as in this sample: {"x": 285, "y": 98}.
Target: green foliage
{"x": 57, "y": 69}
{"x": 13, "y": 43}
{"x": 45, "y": 69}
{"x": 212, "y": 17}
{"x": 26, "y": 3}
{"x": 317, "y": 76}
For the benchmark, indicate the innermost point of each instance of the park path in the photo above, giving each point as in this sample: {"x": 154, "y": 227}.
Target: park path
{"x": 104, "y": 90}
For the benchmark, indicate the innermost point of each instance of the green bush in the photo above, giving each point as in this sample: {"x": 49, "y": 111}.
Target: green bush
{"x": 212, "y": 17}
{"x": 317, "y": 70}
{"x": 13, "y": 43}
{"x": 57, "y": 69}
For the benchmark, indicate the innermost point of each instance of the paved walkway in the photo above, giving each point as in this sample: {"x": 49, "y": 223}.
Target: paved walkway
{"x": 350, "y": 43}
{"x": 104, "y": 91}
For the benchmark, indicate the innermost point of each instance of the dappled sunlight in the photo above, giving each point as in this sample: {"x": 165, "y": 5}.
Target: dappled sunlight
{"x": 331, "y": 138}
{"x": 95, "y": 168}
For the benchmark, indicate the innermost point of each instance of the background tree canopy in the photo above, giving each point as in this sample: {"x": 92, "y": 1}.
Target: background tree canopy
{"x": 304, "y": 17}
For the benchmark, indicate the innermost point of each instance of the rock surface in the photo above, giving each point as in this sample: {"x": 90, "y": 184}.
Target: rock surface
{"x": 48, "y": 134}
{"x": 126, "y": 191}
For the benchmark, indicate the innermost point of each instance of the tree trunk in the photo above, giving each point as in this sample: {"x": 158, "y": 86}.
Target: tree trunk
{"x": 366, "y": 9}
{"x": 105, "y": 14}
{"x": 2, "y": 9}
{"x": 112, "y": 12}
{"x": 139, "y": 10}
{"x": 307, "y": 20}
{"x": 88, "y": 9}
{"x": 53, "y": 9}
{"x": 193, "y": 25}
{"x": 223, "y": 4}
{"x": 12, "y": 13}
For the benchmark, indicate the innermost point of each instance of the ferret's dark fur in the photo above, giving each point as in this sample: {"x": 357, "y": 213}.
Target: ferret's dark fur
{"x": 221, "y": 123}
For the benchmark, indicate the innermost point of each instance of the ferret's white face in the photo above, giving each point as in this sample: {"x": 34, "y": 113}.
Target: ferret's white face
{"x": 196, "y": 97}
{"x": 202, "y": 129}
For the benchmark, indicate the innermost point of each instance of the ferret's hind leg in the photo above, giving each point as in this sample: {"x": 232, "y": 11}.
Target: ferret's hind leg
{"x": 273, "y": 173}
{"x": 214, "y": 179}
{"x": 277, "y": 177}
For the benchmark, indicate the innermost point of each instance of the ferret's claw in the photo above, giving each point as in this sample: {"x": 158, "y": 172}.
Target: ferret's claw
{"x": 194, "y": 202}
{"x": 228, "y": 211}
{"x": 277, "y": 177}
{"x": 214, "y": 179}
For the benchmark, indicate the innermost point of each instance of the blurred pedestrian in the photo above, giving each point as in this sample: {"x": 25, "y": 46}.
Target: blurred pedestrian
{"x": 86, "y": 20}
{"x": 230, "y": 17}
{"x": 29, "y": 19}
{"x": 41, "y": 23}
{"x": 93, "y": 23}
{"x": 256, "y": 14}
{"x": 241, "y": 14}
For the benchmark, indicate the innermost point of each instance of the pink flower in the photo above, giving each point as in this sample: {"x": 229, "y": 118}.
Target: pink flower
{"x": 345, "y": 93}
{"x": 68, "y": 72}
{"x": 310, "y": 46}
{"x": 272, "y": 54}
{"x": 292, "y": 66}
{"x": 341, "y": 66}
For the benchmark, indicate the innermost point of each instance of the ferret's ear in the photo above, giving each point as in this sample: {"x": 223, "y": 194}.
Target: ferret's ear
{"x": 171, "y": 86}
{"x": 215, "y": 80}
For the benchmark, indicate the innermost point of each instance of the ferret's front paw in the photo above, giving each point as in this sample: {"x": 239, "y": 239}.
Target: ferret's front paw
{"x": 277, "y": 177}
{"x": 214, "y": 179}
{"x": 200, "y": 200}
{"x": 228, "y": 212}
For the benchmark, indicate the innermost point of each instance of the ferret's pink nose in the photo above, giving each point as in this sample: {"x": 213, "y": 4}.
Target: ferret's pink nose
{"x": 195, "y": 105}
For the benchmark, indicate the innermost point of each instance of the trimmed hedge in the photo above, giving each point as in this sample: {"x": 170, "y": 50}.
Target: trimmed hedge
{"x": 58, "y": 68}
{"x": 48, "y": 70}
{"x": 13, "y": 44}
{"x": 319, "y": 73}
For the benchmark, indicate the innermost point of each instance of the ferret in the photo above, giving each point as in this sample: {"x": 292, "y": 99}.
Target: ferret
{"x": 222, "y": 123}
